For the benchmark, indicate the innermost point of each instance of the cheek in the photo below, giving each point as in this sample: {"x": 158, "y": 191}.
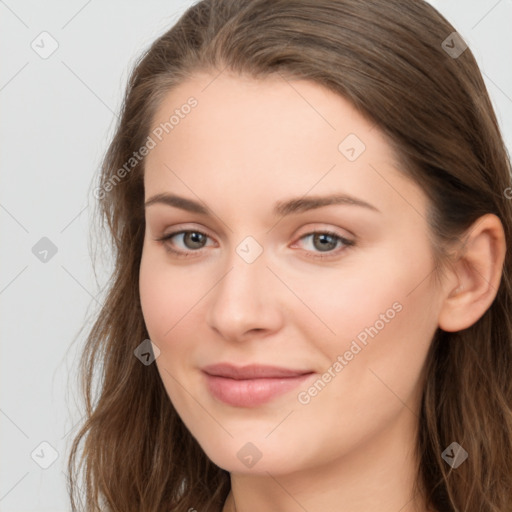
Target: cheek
{"x": 381, "y": 321}
{"x": 379, "y": 375}
{"x": 164, "y": 294}
{"x": 153, "y": 298}
{"x": 166, "y": 307}
{"x": 364, "y": 298}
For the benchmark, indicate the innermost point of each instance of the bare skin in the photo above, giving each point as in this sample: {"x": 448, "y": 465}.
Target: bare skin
{"x": 248, "y": 144}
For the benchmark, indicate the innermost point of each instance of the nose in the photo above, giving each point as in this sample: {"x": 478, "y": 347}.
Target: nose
{"x": 245, "y": 300}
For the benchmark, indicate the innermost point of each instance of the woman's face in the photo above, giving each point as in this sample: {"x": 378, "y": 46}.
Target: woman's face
{"x": 350, "y": 311}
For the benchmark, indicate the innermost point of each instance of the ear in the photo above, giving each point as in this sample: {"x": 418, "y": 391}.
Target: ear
{"x": 475, "y": 275}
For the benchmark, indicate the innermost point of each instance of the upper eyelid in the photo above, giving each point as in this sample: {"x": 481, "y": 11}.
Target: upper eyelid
{"x": 316, "y": 228}
{"x": 181, "y": 231}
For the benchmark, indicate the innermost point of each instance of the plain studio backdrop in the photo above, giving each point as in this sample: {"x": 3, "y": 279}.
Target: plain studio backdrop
{"x": 64, "y": 70}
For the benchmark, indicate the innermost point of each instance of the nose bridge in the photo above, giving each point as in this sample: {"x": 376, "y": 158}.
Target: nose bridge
{"x": 241, "y": 300}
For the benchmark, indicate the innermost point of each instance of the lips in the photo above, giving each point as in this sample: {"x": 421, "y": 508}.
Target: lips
{"x": 253, "y": 385}
{"x": 253, "y": 371}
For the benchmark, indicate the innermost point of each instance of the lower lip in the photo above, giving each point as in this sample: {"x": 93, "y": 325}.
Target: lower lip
{"x": 251, "y": 392}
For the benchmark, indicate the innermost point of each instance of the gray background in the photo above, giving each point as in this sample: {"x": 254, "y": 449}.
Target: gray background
{"x": 57, "y": 115}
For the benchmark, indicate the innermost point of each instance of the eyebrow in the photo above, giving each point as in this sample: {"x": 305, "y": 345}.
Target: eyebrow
{"x": 281, "y": 208}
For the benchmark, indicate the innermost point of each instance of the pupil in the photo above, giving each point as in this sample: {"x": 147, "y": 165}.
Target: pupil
{"x": 194, "y": 236}
{"x": 327, "y": 246}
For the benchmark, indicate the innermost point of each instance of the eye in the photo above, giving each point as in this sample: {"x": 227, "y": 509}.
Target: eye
{"x": 192, "y": 239}
{"x": 325, "y": 242}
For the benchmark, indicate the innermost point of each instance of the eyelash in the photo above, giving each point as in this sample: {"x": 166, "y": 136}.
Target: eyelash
{"x": 346, "y": 242}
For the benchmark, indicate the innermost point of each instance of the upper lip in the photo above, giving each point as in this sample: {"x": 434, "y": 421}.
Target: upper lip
{"x": 253, "y": 371}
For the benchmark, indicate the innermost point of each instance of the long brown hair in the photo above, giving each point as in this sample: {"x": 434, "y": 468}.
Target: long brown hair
{"x": 391, "y": 59}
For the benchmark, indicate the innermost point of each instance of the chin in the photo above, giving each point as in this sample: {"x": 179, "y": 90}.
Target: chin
{"x": 255, "y": 454}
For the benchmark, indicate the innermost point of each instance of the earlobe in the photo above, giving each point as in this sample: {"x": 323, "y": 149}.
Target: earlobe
{"x": 475, "y": 275}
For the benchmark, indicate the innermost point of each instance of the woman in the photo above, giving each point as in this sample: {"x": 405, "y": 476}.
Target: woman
{"x": 311, "y": 297}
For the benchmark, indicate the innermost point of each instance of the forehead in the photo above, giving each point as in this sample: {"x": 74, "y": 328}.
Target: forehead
{"x": 253, "y": 111}
{"x": 250, "y": 138}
